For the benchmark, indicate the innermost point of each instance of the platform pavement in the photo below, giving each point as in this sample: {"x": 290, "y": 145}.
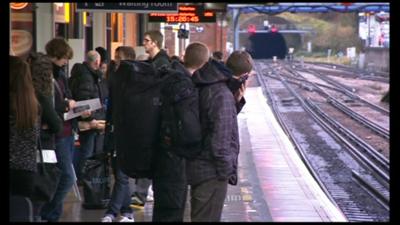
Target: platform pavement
{"x": 273, "y": 184}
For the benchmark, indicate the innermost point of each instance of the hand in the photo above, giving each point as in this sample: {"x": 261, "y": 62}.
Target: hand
{"x": 93, "y": 124}
{"x": 240, "y": 93}
{"x": 232, "y": 180}
{"x": 71, "y": 104}
{"x": 97, "y": 124}
{"x": 101, "y": 125}
{"x": 86, "y": 114}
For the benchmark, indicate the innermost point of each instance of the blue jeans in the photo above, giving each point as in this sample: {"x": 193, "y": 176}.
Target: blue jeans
{"x": 52, "y": 210}
{"x": 120, "y": 198}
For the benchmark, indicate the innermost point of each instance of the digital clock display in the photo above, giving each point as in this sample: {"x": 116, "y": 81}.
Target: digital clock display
{"x": 182, "y": 19}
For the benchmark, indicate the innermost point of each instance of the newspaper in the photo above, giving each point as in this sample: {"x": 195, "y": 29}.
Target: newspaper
{"x": 81, "y": 107}
{"x": 49, "y": 156}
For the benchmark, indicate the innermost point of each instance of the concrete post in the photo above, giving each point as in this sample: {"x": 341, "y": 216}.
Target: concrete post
{"x": 99, "y": 30}
{"x": 236, "y": 14}
{"x": 44, "y": 25}
{"x": 79, "y": 29}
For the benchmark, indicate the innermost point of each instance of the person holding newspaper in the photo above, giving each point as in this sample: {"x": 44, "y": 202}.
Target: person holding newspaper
{"x": 85, "y": 83}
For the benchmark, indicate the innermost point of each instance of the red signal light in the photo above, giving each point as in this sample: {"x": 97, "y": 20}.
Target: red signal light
{"x": 347, "y": 3}
{"x": 274, "y": 29}
{"x": 251, "y": 28}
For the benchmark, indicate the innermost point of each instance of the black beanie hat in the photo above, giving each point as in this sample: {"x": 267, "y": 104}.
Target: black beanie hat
{"x": 103, "y": 54}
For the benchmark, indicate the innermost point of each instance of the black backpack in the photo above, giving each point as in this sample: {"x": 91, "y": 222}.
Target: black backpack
{"x": 136, "y": 116}
{"x": 180, "y": 130}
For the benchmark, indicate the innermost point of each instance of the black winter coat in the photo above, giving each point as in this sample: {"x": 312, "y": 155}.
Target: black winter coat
{"x": 50, "y": 118}
{"x": 87, "y": 83}
{"x": 160, "y": 59}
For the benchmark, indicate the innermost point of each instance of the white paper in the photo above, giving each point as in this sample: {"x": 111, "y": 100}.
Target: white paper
{"x": 49, "y": 156}
{"x": 90, "y": 105}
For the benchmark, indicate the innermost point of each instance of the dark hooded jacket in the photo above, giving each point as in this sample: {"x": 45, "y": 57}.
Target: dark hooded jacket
{"x": 218, "y": 114}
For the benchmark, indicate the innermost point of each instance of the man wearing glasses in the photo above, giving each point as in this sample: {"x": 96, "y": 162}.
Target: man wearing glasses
{"x": 152, "y": 43}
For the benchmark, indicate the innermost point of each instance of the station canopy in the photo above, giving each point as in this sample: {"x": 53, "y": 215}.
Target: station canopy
{"x": 322, "y": 7}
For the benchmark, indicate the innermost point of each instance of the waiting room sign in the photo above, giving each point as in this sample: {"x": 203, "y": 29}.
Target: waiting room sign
{"x": 135, "y": 7}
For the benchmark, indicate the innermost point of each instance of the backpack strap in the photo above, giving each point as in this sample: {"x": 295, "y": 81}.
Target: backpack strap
{"x": 57, "y": 86}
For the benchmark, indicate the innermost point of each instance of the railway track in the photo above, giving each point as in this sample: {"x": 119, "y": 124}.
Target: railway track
{"x": 374, "y": 176}
{"x": 349, "y": 91}
{"x": 337, "y": 104}
{"x": 350, "y": 70}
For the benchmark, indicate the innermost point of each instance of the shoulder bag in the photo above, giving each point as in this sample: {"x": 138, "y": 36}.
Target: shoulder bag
{"x": 47, "y": 176}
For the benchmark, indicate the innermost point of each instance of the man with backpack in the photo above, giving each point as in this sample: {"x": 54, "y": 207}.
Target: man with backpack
{"x": 120, "y": 197}
{"x": 221, "y": 99}
{"x": 158, "y": 57}
{"x": 180, "y": 134}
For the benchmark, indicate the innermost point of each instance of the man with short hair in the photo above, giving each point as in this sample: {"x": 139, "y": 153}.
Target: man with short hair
{"x": 85, "y": 82}
{"x": 152, "y": 43}
{"x": 219, "y": 56}
{"x": 124, "y": 53}
{"x": 241, "y": 64}
{"x": 120, "y": 197}
{"x": 60, "y": 52}
{"x": 216, "y": 166}
{"x": 170, "y": 182}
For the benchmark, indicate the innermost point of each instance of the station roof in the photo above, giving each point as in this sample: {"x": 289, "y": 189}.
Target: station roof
{"x": 275, "y": 8}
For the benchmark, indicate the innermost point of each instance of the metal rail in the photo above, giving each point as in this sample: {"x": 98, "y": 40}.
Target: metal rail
{"x": 349, "y": 93}
{"x": 380, "y": 166}
{"x": 368, "y": 123}
{"x": 349, "y": 208}
{"x": 340, "y": 198}
{"x": 380, "y": 196}
{"x": 376, "y": 166}
{"x": 356, "y": 116}
{"x": 351, "y": 69}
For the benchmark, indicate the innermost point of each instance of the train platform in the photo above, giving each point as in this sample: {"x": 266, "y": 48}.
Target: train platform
{"x": 274, "y": 185}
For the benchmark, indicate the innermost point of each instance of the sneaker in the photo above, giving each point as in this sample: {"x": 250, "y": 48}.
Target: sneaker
{"x": 150, "y": 195}
{"x": 126, "y": 219}
{"x": 137, "y": 203}
{"x": 107, "y": 219}
{"x": 149, "y": 198}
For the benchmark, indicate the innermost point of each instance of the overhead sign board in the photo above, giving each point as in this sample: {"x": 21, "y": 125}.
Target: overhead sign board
{"x": 186, "y": 14}
{"x": 135, "y": 7}
{"x": 216, "y": 7}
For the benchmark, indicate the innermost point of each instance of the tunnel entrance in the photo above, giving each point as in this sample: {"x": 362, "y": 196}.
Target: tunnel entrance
{"x": 267, "y": 45}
